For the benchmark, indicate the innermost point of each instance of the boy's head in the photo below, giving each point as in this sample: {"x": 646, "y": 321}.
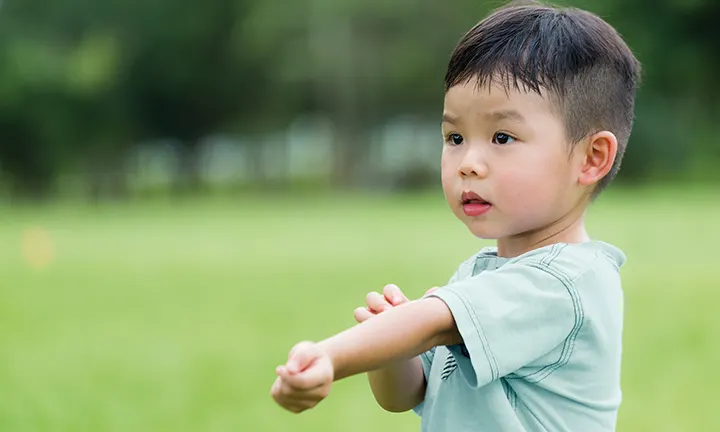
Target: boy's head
{"x": 539, "y": 106}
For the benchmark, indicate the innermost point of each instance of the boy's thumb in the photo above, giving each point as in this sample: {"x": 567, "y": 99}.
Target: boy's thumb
{"x": 301, "y": 356}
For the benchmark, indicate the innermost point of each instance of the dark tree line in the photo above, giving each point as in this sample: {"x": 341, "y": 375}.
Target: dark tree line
{"x": 82, "y": 82}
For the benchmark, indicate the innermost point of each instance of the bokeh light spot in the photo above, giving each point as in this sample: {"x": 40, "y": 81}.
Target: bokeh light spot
{"x": 38, "y": 248}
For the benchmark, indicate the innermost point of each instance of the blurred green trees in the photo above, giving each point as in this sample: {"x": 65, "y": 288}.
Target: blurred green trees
{"x": 83, "y": 84}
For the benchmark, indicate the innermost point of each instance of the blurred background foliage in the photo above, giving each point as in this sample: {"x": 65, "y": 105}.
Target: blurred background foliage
{"x": 118, "y": 98}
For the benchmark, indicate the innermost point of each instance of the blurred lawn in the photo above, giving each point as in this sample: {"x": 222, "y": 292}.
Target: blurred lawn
{"x": 172, "y": 318}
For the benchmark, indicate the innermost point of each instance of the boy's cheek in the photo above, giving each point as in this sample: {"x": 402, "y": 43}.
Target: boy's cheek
{"x": 447, "y": 171}
{"x": 450, "y": 186}
{"x": 528, "y": 179}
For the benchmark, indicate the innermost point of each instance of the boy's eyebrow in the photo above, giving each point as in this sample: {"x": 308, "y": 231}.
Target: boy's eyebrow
{"x": 449, "y": 118}
{"x": 496, "y": 116}
{"x": 510, "y": 114}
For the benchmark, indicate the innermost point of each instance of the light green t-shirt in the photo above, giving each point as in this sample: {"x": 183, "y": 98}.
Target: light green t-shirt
{"x": 542, "y": 342}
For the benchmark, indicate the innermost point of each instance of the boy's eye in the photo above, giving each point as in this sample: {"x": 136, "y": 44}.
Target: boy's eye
{"x": 502, "y": 138}
{"x": 455, "y": 139}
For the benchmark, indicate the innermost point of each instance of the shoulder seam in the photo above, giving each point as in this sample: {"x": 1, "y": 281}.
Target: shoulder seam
{"x": 569, "y": 343}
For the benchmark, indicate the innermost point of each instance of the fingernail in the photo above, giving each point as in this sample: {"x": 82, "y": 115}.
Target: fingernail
{"x": 291, "y": 366}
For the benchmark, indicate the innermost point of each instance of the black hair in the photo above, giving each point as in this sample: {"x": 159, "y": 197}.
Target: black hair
{"x": 580, "y": 60}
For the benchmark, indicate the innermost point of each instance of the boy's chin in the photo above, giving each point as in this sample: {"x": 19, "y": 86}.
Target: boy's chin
{"x": 483, "y": 232}
{"x": 485, "y": 229}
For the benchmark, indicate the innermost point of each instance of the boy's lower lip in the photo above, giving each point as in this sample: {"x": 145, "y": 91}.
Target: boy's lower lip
{"x": 476, "y": 209}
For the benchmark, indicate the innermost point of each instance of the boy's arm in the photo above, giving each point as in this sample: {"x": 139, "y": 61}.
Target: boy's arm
{"x": 398, "y": 334}
{"x": 400, "y": 386}
{"x": 526, "y": 310}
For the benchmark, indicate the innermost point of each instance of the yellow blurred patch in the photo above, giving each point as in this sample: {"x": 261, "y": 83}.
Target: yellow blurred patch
{"x": 37, "y": 248}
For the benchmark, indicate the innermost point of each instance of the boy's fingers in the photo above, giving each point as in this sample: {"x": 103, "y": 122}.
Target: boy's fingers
{"x": 285, "y": 396}
{"x": 275, "y": 389}
{"x": 361, "y": 314}
{"x": 376, "y": 302}
{"x": 394, "y": 295}
{"x": 309, "y": 379}
{"x": 302, "y": 356}
{"x": 297, "y": 347}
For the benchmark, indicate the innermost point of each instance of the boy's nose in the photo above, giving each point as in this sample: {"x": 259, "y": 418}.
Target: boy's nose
{"x": 472, "y": 166}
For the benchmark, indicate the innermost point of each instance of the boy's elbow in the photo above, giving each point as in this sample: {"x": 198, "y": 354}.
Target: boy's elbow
{"x": 397, "y": 407}
{"x": 399, "y": 401}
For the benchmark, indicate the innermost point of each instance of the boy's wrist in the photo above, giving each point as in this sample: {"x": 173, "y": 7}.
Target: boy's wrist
{"x": 333, "y": 348}
{"x": 326, "y": 350}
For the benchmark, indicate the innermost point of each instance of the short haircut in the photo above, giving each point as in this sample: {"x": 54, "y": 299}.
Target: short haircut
{"x": 580, "y": 60}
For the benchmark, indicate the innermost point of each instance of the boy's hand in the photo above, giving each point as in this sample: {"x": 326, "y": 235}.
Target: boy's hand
{"x": 305, "y": 380}
{"x": 378, "y": 303}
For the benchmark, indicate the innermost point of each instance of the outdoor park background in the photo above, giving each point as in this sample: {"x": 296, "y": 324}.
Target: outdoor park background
{"x": 188, "y": 189}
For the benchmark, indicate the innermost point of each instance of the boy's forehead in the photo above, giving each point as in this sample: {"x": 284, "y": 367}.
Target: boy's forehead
{"x": 469, "y": 97}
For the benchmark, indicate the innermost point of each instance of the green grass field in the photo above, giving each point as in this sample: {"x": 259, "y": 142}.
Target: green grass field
{"x": 155, "y": 317}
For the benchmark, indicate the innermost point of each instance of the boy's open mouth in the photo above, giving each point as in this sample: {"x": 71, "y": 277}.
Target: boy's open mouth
{"x": 472, "y": 198}
{"x": 473, "y": 204}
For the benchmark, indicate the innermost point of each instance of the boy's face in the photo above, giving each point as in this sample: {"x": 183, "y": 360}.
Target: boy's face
{"x": 507, "y": 170}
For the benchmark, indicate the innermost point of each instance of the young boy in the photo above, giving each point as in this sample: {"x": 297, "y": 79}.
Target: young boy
{"x": 526, "y": 336}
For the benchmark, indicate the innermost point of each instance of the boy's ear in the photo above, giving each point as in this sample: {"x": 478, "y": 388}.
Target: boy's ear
{"x": 598, "y": 158}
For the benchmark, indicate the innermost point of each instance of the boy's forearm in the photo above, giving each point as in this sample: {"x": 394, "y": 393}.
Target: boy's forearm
{"x": 399, "y": 386}
{"x": 398, "y": 334}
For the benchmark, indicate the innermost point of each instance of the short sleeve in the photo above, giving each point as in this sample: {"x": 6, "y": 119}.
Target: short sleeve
{"x": 428, "y": 356}
{"x": 427, "y": 359}
{"x": 510, "y": 317}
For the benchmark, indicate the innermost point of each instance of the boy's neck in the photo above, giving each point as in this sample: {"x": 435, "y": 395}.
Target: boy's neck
{"x": 570, "y": 229}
